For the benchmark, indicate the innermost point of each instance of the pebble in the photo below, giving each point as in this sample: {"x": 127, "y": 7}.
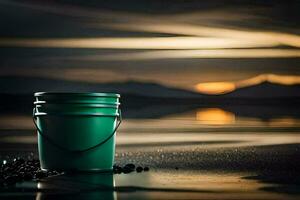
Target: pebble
{"x": 10, "y": 180}
{"x": 27, "y": 176}
{"x": 128, "y": 168}
{"x": 117, "y": 169}
{"x": 40, "y": 174}
{"x": 139, "y": 169}
{"x": 19, "y": 170}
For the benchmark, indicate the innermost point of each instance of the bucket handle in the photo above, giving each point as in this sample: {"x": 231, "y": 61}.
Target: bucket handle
{"x": 119, "y": 118}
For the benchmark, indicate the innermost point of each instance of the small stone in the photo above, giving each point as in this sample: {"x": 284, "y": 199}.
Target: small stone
{"x": 19, "y": 177}
{"x": 40, "y": 174}
{"x": 36, "y": 164}
{"x": 21, "y": 174}
{"x": 55, "y": 172}
{"x": 139, "y": 169}
{"x": 20, "y": 160}
{"x": 115, "y": 166}
{"x": 117, "y": 170}
{"x": 51, "y": 173}
{"x": 59, "y": 171}
{"x": 130, "y": 165}
{"x": 10, "y": 180}
{"x": 33, "y": 168}
{"x": 176, "y": 168}
{"x": 8, "y": 169}
{"x": 1, "y": 181}
{"x": 146, "y": 169}
{"x": 21, "y": 169}
{"x": 27, "y": 176}
{"x": 27, "y": 169}
{"x": 29, "y": 162}
{"x": 127, "y": 170}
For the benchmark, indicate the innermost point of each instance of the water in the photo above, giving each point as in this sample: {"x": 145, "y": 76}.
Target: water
{"x": 237, "y": 152}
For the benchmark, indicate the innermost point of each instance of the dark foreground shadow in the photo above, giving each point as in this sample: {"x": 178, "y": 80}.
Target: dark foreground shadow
{"x": 87, "y": 186}
{"x": 287, "y": 182}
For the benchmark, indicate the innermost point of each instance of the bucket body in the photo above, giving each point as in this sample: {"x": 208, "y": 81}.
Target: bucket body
{"x": 76, "y": 137}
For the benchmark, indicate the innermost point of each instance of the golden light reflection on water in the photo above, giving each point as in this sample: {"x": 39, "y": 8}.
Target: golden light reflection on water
{"x": 284, "y": 121}
{"x": 16, "y": 122}
{"x": 206, "y": 183}
{"x": 210, "y": 127}
{"x": 215, "y": 116}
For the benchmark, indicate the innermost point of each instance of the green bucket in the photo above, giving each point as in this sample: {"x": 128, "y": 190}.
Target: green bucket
{"x": 50, "y": 97}
{"x": 75, "y": 137}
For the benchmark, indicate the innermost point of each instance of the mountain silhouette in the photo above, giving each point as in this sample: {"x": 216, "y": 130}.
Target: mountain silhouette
{"x": 266, "y": 90}
{"x": 29, "y": 85}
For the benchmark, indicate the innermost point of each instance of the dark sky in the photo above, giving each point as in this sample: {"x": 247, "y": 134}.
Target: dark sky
{"x": 175, "y": 42}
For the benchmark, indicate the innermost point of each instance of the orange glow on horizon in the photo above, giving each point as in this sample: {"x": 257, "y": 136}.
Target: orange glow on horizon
{"x": 272, "y": 78}
{"x": 215, "y": 88}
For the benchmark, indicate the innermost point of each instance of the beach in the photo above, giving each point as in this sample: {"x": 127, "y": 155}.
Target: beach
{"x": 202, "y": 153}
{"x": 209, "y": 93}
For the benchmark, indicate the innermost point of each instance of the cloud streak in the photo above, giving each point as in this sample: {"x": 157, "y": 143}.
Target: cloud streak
{"x": 138, "y": 43}
{"x": 191, "y": 54}
{"x": 263, "y": 37}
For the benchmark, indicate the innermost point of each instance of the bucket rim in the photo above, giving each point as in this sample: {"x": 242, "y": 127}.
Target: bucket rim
{"x": 98, "y": 114}
{"x": 94, "y": 105}
{"x": 77, "y": 94}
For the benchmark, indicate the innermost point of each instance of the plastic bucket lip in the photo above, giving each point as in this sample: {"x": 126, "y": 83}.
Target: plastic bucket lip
{"x": 93, "y": 105}
{"x": 75, "y": 94}
{"x": 76, "y": 114}
{"x": 76, "y": 102}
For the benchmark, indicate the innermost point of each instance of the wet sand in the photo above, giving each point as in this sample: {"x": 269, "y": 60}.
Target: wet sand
{"x": 229, "y": 158}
